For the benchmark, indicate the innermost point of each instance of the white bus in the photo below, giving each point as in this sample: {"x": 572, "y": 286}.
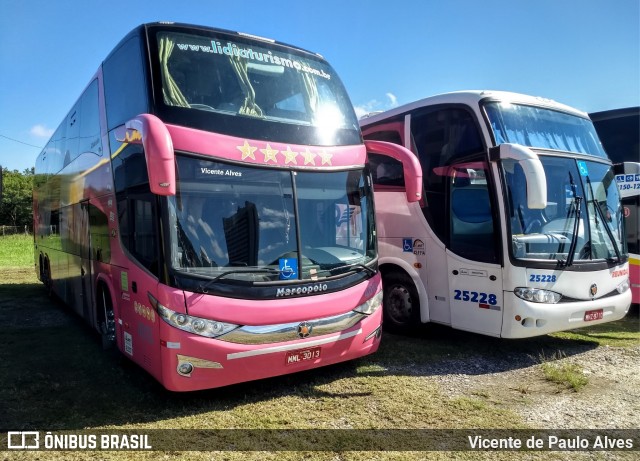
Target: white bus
{"x": 518, "y": 230}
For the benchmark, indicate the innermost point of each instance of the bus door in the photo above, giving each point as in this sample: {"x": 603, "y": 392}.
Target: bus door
{"x": 459, "y": 208}
{"x": 78, "y": 258}
{"x": 139, "y": 233}
{"x": 475, "y": 278}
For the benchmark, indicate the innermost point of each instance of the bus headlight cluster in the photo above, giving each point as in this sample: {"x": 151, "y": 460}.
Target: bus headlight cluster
{"x": 370, "y": 306}
{"x": 624, "y": 286}
{"x": 537, "y": 295}
{"x": 191, "y": 324}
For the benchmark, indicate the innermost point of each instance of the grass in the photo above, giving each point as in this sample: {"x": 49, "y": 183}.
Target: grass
{"x": 569, "y": 375}
{"x": 16, "y": 251}
{"x": 54, "y": 375}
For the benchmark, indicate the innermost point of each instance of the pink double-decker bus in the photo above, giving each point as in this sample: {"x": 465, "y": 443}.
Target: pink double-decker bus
{"x": 206, "y": 205}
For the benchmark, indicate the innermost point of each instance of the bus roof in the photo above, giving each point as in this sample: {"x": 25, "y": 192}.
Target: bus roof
{"x": 142, "y": 28}
{"x": 614, "y": 113}
{"x": 472, "y": 98}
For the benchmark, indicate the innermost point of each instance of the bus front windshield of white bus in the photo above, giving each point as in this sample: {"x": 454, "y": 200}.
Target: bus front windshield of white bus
{"x": 236, "y": 223}
{"x": 583, "y": 218}
{"x": 235, "y": 85}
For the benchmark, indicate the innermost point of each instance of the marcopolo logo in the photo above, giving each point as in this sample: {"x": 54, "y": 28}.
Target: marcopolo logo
{"x": 304, "y": 290}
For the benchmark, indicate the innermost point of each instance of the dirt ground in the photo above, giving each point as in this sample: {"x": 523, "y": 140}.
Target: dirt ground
{"x": 611, "y": 399}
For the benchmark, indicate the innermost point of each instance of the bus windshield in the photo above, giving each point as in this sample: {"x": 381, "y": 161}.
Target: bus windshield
{"x": 583, "y": 219}
{"x": 224, "y": 83}
{"x": 543, "y": 128}
{"x": 231, "y": 222}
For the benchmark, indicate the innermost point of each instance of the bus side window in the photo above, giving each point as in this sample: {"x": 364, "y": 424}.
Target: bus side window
{"x": 450, "y": 149}
{"x": 386, "y": 171}
{"x": 144, "y": 241}
{"x": 391, "y": 136}
{"x": 136, "y": 207}
{"x": 100, "y": 239}
{"x": 471, "y": 219}
{"x": 125, "y": 89}
{"x": 89, "y": 140}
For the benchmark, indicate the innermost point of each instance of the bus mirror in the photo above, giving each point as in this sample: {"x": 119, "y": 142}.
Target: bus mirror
{"x": 532, "y": 169}
{"x": 158, "y": 151}
{"x": 410, "y": 166}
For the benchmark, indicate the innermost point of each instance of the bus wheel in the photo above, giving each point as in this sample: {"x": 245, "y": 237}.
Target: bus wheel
{"x": 46, "y": 277}
{"x": 107, "y": 320}
{"x": 401, "y": 305}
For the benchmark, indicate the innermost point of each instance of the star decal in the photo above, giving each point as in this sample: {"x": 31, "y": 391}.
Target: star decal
{"x": 326, "y": 158}
{"x": 247, "y": 150}
{"x": 269, "y": 154}
{"x": 309, "y": 157}
{"x": 290, "y": 156}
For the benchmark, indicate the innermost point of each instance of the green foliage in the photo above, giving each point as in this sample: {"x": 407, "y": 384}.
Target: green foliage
{"x": 16, "y": 205}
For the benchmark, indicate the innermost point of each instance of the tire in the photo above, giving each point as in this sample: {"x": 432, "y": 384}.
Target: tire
{"x": 106, "y": 316}
{"x": 400, "y": 303}
{"x": 46, "y": 278}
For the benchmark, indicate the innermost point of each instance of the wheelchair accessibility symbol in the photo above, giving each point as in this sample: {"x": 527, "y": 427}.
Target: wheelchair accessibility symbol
{"x": 582, "y": 166}
{"x": 288, "y": 268}
{"x": 407, "y": 245}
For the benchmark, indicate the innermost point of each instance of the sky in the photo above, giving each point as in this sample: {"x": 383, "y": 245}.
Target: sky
{"x": 584, "y": 53}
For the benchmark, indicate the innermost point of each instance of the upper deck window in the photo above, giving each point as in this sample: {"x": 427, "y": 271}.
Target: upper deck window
{"x": 233, "y": 85}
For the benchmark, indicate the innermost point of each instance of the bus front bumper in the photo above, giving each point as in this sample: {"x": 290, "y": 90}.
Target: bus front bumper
{"x": 192, "y": 362}
{"x": 524, "y": 319}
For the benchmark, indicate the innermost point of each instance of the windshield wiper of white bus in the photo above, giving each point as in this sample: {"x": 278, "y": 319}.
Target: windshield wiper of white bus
{"x": 599, "y": 212}
{"x": 260, "y": 270}
{"x": 577, "y": 201}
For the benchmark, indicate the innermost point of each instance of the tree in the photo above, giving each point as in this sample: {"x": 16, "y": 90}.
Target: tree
{"x": 17, "y": 205}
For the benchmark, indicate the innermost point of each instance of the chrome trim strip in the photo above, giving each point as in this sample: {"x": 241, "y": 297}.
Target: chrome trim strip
{"x": 265, "y": 334}
{"x": 292, "y": 347}
{"x": 195, "y": 363}
{"x": 377, "y": 333}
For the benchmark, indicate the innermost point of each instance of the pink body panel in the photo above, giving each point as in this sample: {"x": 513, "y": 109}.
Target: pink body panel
{"x": 275, "y": 311}
{"x": 264, "y": 152}
{"x": 634, "y": 278}
{"x": 156, "y": 345}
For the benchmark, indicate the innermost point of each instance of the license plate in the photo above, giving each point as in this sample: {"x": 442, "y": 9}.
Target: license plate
{"x": 302, "y": 355}
{"x": 593, "y": 315}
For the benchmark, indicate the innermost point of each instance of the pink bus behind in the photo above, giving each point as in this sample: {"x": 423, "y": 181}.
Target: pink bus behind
{"x": 619, "y": 131}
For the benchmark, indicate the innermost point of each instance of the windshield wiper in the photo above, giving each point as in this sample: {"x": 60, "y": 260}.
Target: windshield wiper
{"x": 604, "y": 221}
{"x": 355, "y": 266}
{"x": 577, "y": 200}
{"x": 261, "y": 270}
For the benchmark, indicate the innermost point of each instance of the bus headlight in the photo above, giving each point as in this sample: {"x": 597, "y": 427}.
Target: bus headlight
{"x": 537, "y": 295}
{"x": 624, "y": 286}
{"x": 191, "y": 324}
{"x": 370, "y": 306}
